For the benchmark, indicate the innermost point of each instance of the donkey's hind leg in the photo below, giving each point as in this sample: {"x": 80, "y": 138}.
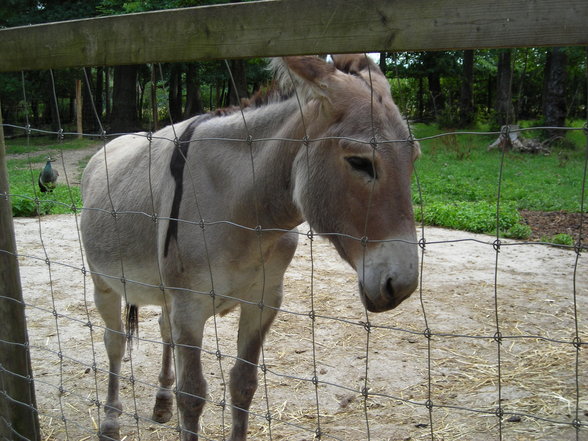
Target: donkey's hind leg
{"x": 164, "y": 400}
{"x": 109, "y": 303}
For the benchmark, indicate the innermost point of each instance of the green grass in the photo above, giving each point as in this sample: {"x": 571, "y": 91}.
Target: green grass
{"x": 38, "y": 143}
{"x": 459, "y": 181}
{"x": 26, "y": 197}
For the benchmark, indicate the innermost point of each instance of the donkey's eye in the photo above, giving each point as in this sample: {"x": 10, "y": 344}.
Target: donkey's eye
{"x": 362, "y": 165}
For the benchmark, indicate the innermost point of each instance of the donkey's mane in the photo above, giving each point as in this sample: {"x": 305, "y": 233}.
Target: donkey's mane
{"x": 285, "y": 85}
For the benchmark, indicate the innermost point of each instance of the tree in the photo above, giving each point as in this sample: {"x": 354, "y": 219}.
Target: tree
{"x": 466, "y": 100}
{"x": 503, "y": 105}
{"x": 554, "y": 95}
{"x": 124, "y": 100}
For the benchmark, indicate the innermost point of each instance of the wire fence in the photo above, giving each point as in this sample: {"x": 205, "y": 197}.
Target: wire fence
{"x": 489, "y": 348}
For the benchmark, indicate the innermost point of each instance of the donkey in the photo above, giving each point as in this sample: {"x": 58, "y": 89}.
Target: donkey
{"x": 201, "y": 217}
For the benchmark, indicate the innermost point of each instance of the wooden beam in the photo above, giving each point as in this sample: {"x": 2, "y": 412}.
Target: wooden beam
{"x": 290, "y": 27}
{"x": 18, "y": 414}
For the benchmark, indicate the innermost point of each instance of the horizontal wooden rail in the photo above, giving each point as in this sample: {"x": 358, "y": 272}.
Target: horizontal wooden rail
{"x": 289, "y": 27}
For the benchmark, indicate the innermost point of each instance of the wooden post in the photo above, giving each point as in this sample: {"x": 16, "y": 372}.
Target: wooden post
{"x": 18, "y": 406}
{"x": 79, "y": 109}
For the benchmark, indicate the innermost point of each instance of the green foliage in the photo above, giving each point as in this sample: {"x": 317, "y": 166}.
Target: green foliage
{"x": 560, "y": 239}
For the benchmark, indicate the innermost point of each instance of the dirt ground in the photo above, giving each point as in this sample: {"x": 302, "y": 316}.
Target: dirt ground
{"x": 537, "y": 299}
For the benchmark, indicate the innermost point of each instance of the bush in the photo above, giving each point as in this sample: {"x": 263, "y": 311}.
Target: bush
{"x": 477, "y": 217}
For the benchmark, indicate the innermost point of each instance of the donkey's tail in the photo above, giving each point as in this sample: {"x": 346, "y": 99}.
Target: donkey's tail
{"x": 132, "y": 323}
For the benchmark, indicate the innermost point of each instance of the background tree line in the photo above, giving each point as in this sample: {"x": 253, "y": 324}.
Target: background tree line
{"x": 455, "y": 89}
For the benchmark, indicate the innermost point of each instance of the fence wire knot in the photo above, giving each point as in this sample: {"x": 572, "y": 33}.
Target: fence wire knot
{"x": 496, "y": 245}
{"x": 578, "y": 246}
{"x": 60, "y": 135}
{"x": 429, "y": 404}
{"x": 498, "y": 337}
{"x": 577, "y": 342}
{"x": 427, "y": 333}
{"x": 367, "y": 326}
{"x": 306, "y": 141}
{"x": 318, "y": 434}
{"x": 422, "y": 243}
{"x": 374, "y": 143}
{"x": 364, "y": 241}
{"x": 499, "y": 412}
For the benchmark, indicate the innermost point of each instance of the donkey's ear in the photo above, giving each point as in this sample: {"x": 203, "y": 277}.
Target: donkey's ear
{"x": 311, "y": 75}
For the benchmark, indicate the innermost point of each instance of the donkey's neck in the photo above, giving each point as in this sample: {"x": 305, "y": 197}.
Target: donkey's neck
{"x": 274, "y": 160}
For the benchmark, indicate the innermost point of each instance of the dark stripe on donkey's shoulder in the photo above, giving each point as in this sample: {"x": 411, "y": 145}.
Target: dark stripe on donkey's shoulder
{"x": 176, "y": 167}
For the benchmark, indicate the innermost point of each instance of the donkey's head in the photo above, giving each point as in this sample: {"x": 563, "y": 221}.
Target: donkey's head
{"x": 353, "y": 178}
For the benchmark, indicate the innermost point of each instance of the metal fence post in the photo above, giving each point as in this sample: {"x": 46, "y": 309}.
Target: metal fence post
{"x": 18, "y": 406}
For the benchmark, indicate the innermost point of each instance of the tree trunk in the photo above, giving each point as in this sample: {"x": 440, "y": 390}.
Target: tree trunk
{"x": 435, "y": 93}
{"x": 154, "y": 110}
{"x": 503, "y": 106}
{"x": 383, "y": 64}
{"x": 194, "y": 104}
{"x": 239, "y": 76}
{"x": 79, "y": 106}
{"x": 175, "y": 92}
{"x": 420, "y": 99}
{"x": 99, "y": 91}
{"x": 88, "y": 116}
{"x": 107, "y": 101}
{"x": 554, "y": 100}
{"x": 124, "y": 100}
{"x": 466, "y": 102}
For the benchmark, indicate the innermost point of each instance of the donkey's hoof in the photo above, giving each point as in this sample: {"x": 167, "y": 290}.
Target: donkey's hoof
{"x": 162, "y": 411}
{"x": 109, "y": 430}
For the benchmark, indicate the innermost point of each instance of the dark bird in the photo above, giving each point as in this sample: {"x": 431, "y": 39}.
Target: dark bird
{"x": 48, "y": 177}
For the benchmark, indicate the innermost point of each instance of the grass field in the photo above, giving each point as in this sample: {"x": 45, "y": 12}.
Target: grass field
{"x": 456, "y": 184}
{"x": 459, "y": 181}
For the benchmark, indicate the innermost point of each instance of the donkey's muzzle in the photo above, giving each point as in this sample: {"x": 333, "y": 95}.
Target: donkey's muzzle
{"x": 392, "y": 293}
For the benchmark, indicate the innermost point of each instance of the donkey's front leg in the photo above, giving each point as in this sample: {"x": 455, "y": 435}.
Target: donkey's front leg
{"x": 253, "y": 325}
{"x": 187, "y": 330}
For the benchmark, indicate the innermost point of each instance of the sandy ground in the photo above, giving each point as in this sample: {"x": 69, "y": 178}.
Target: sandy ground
{"x": 539, "y": 295}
